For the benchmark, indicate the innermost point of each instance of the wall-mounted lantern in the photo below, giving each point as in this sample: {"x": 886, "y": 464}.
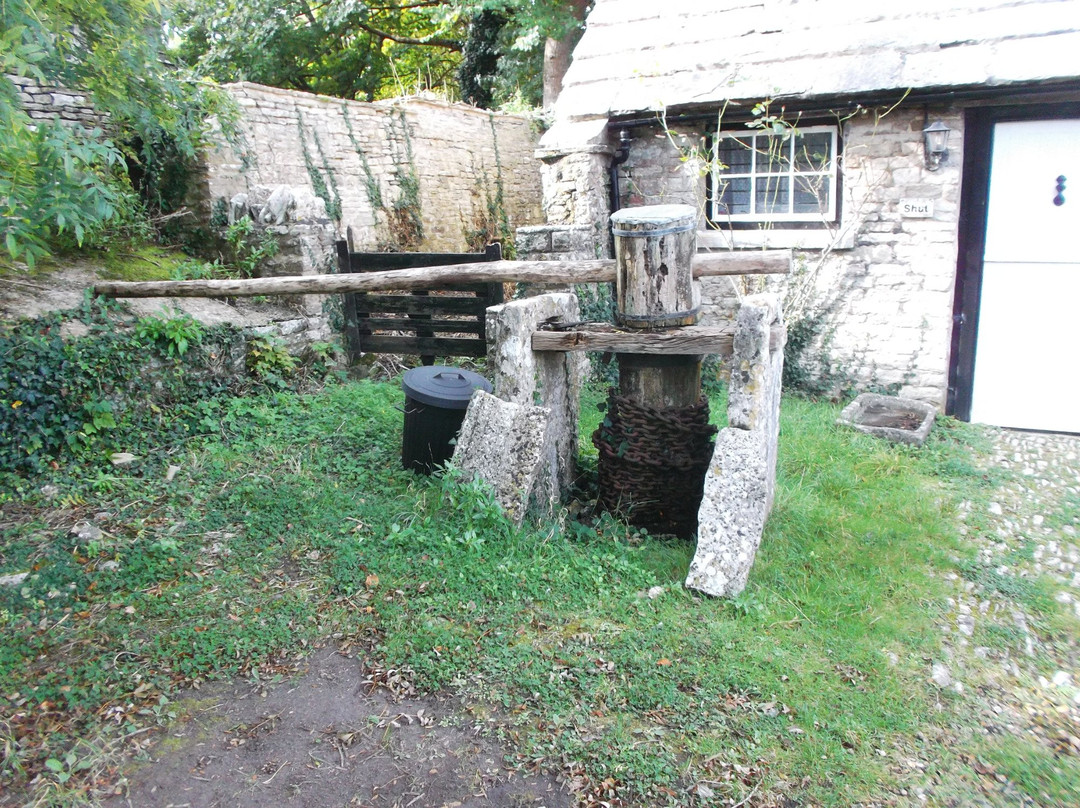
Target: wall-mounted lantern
{"x": 936, "y": 145}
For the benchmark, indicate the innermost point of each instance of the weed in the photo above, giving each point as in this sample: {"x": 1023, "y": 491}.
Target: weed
{"x": 174, "y": 334}
{"x": 248, "y": 249}
{"x": 1067, "y": 513}
{"x": 269, "y": 359}
{"x": 1032, "y": 594}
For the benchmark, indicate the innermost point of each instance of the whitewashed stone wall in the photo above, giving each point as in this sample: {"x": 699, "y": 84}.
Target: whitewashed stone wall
{"x": 884, "y": 281}
{"x": 459, "y": 155}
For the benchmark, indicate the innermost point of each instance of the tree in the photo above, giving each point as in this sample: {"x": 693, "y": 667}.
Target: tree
{"x": 480, "y": 59}
{"x": 337, "y": 47}
{"x": 558, "y": 50}
{"x": 376, "y": 49}
{"x": 63, "y": 182}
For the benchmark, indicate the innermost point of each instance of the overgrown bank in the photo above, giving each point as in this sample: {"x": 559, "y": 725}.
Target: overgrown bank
{"x": 78, "y": 386}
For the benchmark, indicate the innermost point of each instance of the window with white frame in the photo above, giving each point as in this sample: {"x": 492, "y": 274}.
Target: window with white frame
{"x": 766, "y": 176}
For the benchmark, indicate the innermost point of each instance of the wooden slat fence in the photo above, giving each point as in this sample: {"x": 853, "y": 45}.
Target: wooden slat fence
{"x": 450, "y": 322}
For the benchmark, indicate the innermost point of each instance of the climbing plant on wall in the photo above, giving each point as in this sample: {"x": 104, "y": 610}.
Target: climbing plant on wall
{"x": 491, "y": 223}
{"x": 371, "y": 183}
{"x": 321, "y": 174}
{"x": 406, "y": 213}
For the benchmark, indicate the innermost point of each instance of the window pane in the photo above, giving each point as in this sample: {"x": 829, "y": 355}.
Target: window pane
{"x": 812, "y": 194}
{"x": 813, "y": 152}
{"x": 771, "y": 195}
{"x": 774, "y": 153}
{"x": 733, "y": 197}
{"x": 734, "y": 153}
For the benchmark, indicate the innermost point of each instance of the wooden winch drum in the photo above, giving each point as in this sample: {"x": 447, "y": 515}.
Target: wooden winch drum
{"x": 654, "y": 249}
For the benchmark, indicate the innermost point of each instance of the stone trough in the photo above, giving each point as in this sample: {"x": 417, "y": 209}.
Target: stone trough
{"x": 901, "y": 420}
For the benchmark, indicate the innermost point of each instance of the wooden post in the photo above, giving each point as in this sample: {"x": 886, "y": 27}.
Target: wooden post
{"x": 655, "y": 443}
{"x": 655, "y": 289}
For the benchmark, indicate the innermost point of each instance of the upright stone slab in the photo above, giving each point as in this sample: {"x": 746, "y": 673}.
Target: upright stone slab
{"x": 502, "y": 443}
{"x": 552, "y": 380}
{"x": 741, "y": 481}
{"x": 757, "y": 368}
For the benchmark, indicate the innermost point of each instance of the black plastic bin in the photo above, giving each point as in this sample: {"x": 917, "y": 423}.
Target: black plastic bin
{"x": 435, "y": 402}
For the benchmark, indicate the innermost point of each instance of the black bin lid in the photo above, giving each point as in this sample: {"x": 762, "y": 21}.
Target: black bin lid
{"x": 438, "y": 386}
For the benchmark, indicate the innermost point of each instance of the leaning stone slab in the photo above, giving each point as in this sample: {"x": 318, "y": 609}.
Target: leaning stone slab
{"x": 901, "y": 420}
{"x": 502, "y": 443}
{"x": 732, "y": 513}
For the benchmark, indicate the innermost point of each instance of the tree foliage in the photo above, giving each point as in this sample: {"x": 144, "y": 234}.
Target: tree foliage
{"x": 65, "y": 182}
{"x": 375, "y": 49}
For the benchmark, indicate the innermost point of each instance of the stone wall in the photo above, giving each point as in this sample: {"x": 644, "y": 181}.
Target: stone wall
{"x": 44, "y": 103}
{"x": 881, "y": 281}
{"x": 412, "y": 174}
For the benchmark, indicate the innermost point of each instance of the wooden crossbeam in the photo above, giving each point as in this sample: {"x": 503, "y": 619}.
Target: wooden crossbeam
{"x": 687, "y": 340}
{"x": 763, "y": 262}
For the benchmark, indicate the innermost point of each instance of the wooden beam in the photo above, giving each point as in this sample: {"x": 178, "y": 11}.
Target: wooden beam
{"x": 763, "y": 262}
{"x": 688, "y": 340}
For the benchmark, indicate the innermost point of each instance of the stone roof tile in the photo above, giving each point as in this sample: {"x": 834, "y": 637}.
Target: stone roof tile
{"x": 643, "y": 55}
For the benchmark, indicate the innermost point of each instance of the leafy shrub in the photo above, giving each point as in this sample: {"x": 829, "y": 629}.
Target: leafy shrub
{"x": 173, "y": 334}
{"x": 63, "y": 185}
{"x": 195, "y": 270}
{"x": 249, "y": 249}
{"x": 269, "y": 359}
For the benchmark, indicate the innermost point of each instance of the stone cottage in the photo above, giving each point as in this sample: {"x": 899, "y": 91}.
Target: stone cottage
{"x": 920, "y": 157}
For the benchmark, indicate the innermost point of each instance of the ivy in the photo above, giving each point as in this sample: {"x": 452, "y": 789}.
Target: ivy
{"x": 125, "y": 382}
{"x": 406, "y": 216}
{"x": 318, "y": 184}
{"x": 497, "y": 206}
{"x": 371, "y": 184}
{"x": 335, "y": 205}
{"x": 63, "y": 396}
{"x": 491, "y": 222}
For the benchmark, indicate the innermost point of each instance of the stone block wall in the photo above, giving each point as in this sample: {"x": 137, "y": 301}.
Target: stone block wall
{"x": 387, "y": 172}
{"x": 880, "y": 281}
{"x": 44, "y": 103}
{"x": 576, "y": 185}
{"x": 559, "y": 242}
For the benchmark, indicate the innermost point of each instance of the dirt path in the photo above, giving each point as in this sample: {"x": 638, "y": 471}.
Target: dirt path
{"x": 321, "y": 740}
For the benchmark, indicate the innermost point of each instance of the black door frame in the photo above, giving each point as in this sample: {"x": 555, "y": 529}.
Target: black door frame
{"x": 971, "y": 237}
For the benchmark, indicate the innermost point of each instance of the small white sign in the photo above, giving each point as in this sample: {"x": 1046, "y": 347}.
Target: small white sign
{"x": 917, "y": 208}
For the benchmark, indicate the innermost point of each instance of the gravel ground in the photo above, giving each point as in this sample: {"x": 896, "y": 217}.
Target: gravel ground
{"x": 1021, "y": 668}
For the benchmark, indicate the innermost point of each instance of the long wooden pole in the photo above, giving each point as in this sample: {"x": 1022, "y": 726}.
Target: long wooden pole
{"x": 689, "y": 339}
{"x": 764, "y": 262}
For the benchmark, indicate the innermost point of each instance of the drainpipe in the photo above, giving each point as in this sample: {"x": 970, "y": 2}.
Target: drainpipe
{"x": 620, "y": 157}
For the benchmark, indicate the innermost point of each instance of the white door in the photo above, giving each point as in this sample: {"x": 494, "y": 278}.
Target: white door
{"x": 1027, "y": 373}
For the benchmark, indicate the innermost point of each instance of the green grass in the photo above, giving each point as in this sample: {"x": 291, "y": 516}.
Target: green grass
{"x": 121, "y": 262}
{"x": 144, "y": 262}
{"x": 295, "y": 521}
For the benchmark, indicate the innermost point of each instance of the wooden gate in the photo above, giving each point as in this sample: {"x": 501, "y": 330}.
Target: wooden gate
{"x": 444, "y": 320}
